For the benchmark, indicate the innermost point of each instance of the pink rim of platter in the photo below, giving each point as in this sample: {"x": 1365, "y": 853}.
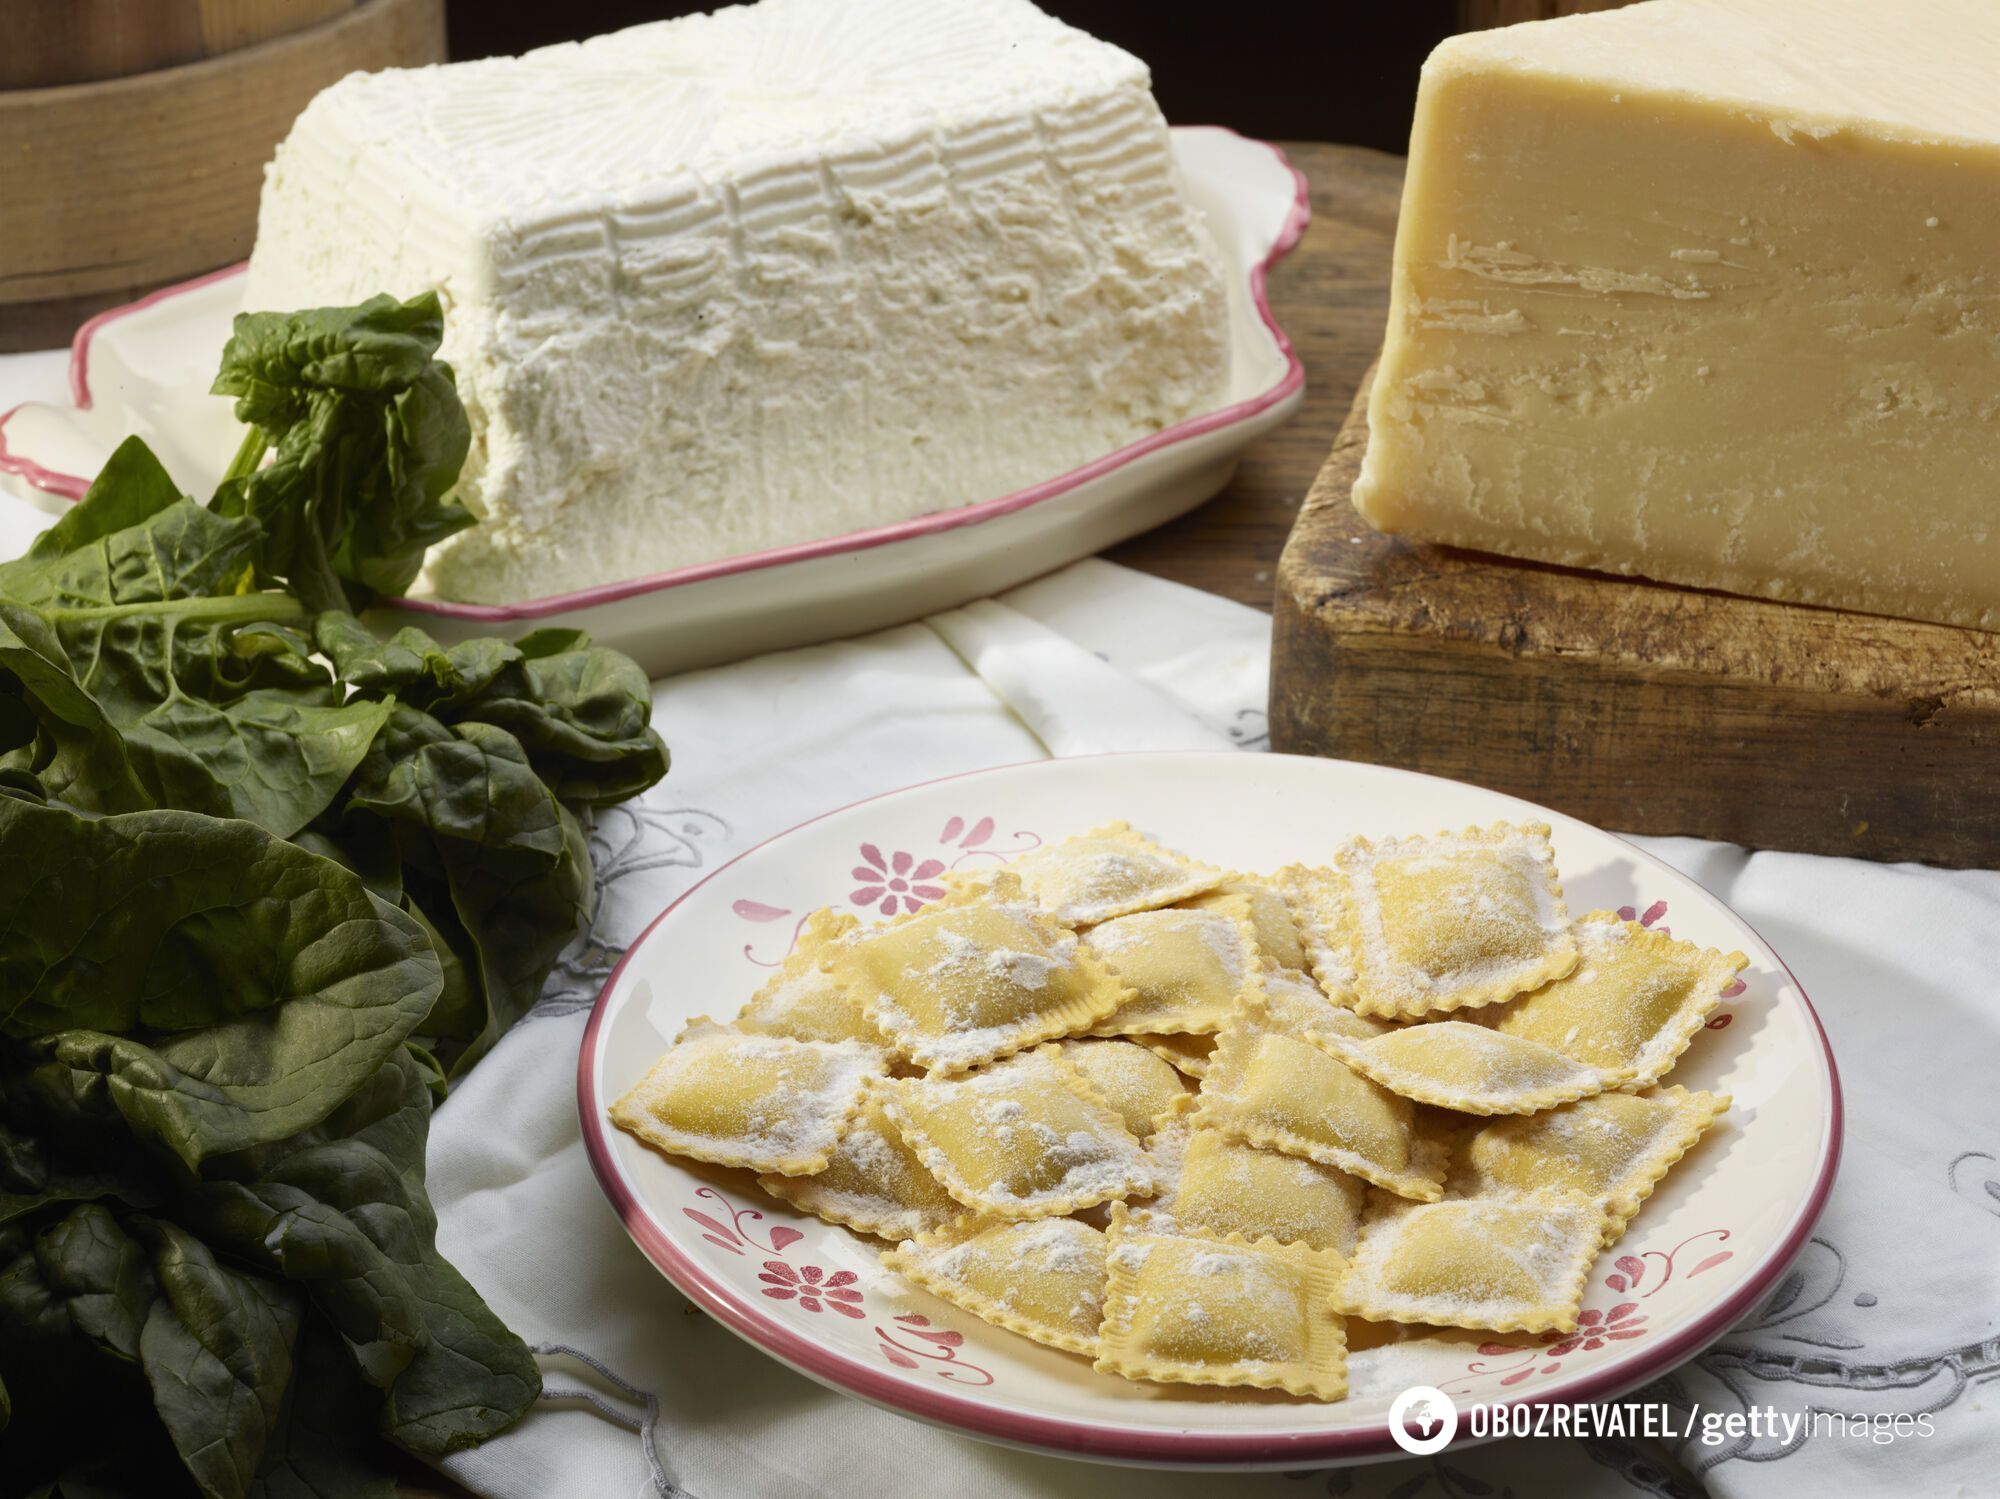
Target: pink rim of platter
{"x": 932, "y": 1361}
{"x": 1292, "y": 380}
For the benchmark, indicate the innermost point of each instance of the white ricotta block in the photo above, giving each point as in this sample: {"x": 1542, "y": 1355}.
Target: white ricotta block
{"x": 783, "y": 272}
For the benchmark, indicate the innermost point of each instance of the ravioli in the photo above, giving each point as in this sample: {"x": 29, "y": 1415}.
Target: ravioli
{"x": 1613, "y": 1149}
{"x": 1107, "y": 872}
{"x": 1316, "y": 898}
{"x": 1187, "y": 1055}
{"x": 764, "y": 1103}
{"x": 1454, "y": 1064}
{"x": 1502, "y": 1262}
{"x": 1633, "y": 1002}
{"x": 974, "y": 977}
{"x": 1294, "y": 1005}
{"x": 1455, "y": 921}
{"x": 1185, "y": 1124}
{"x": 1042, "y": 1278}
{"x": 1223, "y": 1186}
{"x": 1189, "y": 971}
{"x": 1270, "y": 917}
{"x": 1024, "y": 1138}
{"x": 1184, "y": 1308}
{"x": 1280, "y": 1092}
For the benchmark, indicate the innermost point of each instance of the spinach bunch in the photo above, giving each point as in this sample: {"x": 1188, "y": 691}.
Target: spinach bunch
{"x": 268, "y": 881}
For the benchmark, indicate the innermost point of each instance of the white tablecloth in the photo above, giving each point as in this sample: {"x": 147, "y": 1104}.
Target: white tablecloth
{"x": 1893, "y": 1308}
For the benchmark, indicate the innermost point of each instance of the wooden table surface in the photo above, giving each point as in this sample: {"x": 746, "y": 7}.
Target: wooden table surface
{"x": 1330, "y": 296}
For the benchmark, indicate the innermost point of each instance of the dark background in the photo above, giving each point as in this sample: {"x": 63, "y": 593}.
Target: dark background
{"x": 1332, "y": 70}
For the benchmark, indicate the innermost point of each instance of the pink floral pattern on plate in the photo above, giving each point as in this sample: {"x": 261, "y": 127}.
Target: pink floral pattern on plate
{"x": 813, "y": 1287}
{"x": 1599, "y": 1327}
{"x": 915, "y": 1345}
{"x": 899, "y": 878}
{"x": 900, "y": 882}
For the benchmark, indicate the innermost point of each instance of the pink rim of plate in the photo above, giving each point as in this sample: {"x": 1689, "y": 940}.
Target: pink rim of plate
{"x": 1130, "y": 1444}
{"x": 72, "y": 487}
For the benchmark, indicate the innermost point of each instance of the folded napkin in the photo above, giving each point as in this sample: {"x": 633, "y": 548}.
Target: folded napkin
{"x": 1891, "y": 1310}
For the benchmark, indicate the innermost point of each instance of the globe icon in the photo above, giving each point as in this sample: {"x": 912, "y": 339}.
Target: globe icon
{"x": 1419, "y": 1415}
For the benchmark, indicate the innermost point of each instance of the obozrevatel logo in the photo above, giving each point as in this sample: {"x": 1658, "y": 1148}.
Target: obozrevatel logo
{"x": 1422, "y": 1419}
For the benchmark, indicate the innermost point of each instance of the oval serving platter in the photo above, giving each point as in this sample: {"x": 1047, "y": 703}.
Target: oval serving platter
{"x": 146, "y": 368}
{"x": 1714, "y": 1238}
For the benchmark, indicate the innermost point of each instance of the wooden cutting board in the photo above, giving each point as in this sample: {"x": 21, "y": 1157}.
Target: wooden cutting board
{"x": 1636, "y": 706}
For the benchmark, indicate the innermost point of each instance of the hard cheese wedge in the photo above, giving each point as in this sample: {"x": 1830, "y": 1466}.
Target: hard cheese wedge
{"x": 1701, "y": 290}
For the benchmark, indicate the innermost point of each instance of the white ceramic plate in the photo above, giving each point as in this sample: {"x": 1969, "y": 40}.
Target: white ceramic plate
{"x": 1713, "y": 1239}
{"x": 145, "y": 369}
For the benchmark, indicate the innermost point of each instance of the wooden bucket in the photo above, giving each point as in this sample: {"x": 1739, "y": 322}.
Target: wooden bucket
{"x": 134, "y": 133}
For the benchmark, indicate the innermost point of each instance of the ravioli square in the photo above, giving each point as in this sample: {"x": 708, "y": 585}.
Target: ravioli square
{"x": 1614, "y": 1149}
{"x": 1454, "y": 1064}
{"x": 1042, "y": 1278}
{"x": 1280, "y": 1092}
{"x": 873, "y": 1183}
{"x": 801, "y": 999}
{"x": 1455, "y": 921}
{"x": 763, "y": 1103}
{"x": 1024, "y": 1138}
{"x": 1504, "y": 1262}
{"x": 1223, "y": 1186}
{"x": 1634, "y": 1001}
{"x": 1270, "y": 917}
{"x": 976, "y": 976}
{"x": 1141, "y": 1086}
{"x": 1109, "y": 871}
{"x": 1183, "y": 1308}
{"x": 1189, "y": 971}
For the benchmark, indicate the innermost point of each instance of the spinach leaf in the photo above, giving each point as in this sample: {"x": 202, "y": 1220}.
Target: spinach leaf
{"x": 368, "y": 437}
{"x": 472, "y": 784}
{"x": 500, "y": 867}
{"x": 580, "y": 712}
{"x": 341, "y": 1211}
{"x": 218, "y": 707}
{"x": 132, "y": 535}
{"x": 323, "y": 1446}
{"x": 80, "y": 1276}
{"x": 338, "y": 1210}
{"x": 216, "y": 1348}
{"x": 75, "y": 1292}
{"x": 57, "y": 731}
{"x": 226, "y": 988}
{"x": 171, "y": 921}
{"x": 519, "y": 912}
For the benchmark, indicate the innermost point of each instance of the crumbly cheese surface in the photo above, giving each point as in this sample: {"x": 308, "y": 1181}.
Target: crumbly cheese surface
{"x": 786, "y": 271}
{"x": 1701, "y": 290}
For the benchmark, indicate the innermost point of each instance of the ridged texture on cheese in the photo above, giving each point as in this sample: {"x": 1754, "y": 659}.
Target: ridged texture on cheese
{"x": 1703, "y": 290}
{"x": 782, "y": 272}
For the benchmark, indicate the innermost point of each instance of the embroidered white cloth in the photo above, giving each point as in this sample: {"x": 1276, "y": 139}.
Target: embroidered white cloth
{"x": 1892, "y": 1309}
